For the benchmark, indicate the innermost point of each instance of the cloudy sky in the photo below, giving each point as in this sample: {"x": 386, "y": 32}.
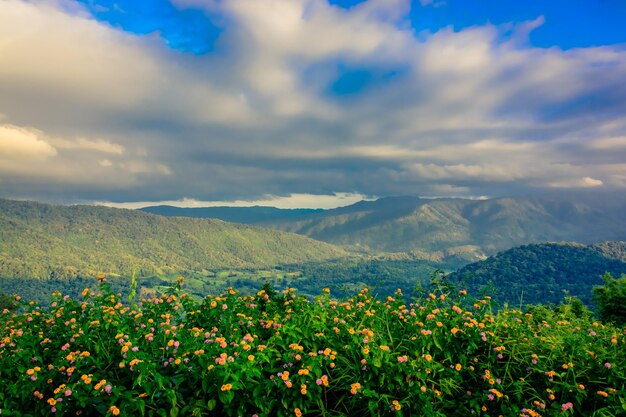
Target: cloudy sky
{"x": 309, "y": 102}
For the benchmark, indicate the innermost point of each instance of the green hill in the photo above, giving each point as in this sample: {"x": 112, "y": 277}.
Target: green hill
{"x": 545, "y": 273}
{"x": 40, "y": 240}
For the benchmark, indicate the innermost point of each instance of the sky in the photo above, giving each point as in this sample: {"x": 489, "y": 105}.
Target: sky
{"x": 309, "y": 103}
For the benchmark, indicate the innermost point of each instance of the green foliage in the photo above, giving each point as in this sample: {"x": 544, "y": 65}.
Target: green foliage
{"x": 442, "y": 355}
{"x": 7, "y": 302}
{"x": 545, "y": 273}
{"x": 611, "y": 299}
{"x": 43, "y": 241}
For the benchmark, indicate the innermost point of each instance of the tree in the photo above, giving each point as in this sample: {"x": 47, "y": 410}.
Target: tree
{"x": 611, "y": 299}
{"x": 7, "y": 302}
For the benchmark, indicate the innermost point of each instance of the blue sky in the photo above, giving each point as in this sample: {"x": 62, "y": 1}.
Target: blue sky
{"x": 568, "y": 23}
{"x": 298, "y": 101}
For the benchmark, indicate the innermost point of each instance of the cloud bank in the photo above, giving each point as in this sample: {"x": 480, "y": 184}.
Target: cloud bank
{"x": 300, "y": 97}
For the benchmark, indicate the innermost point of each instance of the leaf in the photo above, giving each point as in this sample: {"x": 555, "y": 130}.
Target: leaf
{"x": 211, "y": 404}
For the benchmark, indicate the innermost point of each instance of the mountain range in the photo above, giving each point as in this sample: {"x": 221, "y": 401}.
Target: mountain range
{"x": 41, "y": 240}
{"x": 462, "y": 227}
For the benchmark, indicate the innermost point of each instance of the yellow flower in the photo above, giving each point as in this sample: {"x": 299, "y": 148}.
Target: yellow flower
{"x": 250, "y": 358}
{"x": 458, "y": 367}
{"x": 428, "y": 357}
{"x": 226, "y": 387}
{"x": 114, "y": 410}
{"x": 396, "y": 405}
{"x": 354, "y": 388}
{"x": 297, "y": 412}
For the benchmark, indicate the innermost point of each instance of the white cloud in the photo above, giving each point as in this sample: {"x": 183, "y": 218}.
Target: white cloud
{"x": 99, "y": 145}
{"x": 460, "y": 112}
{"x": 286, "y": 202}
{"x": 617, "y": 142}
{"x": 22, "y": 144}
{"x": 585, "y": 182}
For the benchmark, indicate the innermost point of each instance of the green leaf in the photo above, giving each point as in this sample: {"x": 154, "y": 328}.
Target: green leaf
{"x": 211, "y": 404}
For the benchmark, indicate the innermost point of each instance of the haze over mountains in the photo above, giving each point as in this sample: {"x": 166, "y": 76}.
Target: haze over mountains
{"x": 40, "y": 240}
{"x": 474, "y": 228}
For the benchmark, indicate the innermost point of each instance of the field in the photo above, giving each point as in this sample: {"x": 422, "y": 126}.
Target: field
{"x": 441, "y": 354}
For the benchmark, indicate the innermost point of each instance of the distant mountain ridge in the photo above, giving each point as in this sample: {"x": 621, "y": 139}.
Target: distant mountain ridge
{"x": 244, "y": 215}
{"x": 544, "y": 273}
{"x": 41, "y": 240}
{"x": 473, "y": 227}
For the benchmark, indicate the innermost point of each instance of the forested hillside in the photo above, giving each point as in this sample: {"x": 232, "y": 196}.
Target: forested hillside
{"x": 474, "y": 226}
{"x": 544, "y": 273}
{"x": 464, "y": 228}
{"x": 40, "y": 241}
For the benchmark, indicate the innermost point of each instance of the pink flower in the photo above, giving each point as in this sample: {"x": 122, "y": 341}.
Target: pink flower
{"x": 567, "y": 406}
{"x": 68, "y": 392}
{"x": 224, "y": 307}
{"x": 607, "y": 365}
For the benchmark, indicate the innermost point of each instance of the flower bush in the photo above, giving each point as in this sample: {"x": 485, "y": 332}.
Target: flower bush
{"x": 285, "y": 355}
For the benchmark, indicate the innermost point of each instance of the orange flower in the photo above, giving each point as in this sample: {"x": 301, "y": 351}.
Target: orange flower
{"x": 297, "y": 412}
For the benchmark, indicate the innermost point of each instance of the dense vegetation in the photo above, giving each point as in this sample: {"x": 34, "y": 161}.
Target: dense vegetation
{"x": 281, "y": 354}
{"x": 41, "y": 241}
{"x": 343, "y": 276}
{"x": 611, "y": 299}
{"x": 471, "y": 227}
{"x": 544, "y": 273}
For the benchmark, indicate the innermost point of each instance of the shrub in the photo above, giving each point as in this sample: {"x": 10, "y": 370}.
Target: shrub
{"x": 442, "y": 355}
{"x": 611, "y": 299}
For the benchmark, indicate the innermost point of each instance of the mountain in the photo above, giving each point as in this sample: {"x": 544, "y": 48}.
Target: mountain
{"x": 544, "y": 273}
{"x": 40, "y": 240}
{"x": 245, "y": 215}
{"x": 463, "y": 228}
{"x": 467, "y": 227}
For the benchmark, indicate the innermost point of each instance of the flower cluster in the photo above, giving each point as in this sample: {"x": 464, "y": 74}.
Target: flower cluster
{"x": 288, "y": 355}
